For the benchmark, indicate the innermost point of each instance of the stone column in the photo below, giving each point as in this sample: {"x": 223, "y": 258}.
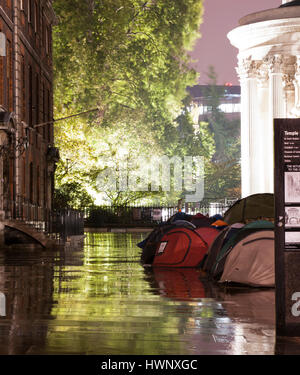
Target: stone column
{"x": 276, "y": 86}
{"x": 248, "y": 118}
{"x": 296, "y": 108}
{"x": 262, "y": 120}
{"x": 289, "y": 95}
{"x": 288, "y": 85}
{"x": 276, "y": 110}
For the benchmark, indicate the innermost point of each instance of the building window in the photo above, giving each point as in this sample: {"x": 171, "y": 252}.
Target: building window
{"x": 2, "y": 86}
{"x": 229, "y": 107}
{"x": 24, "y": 178}
{"x": 30, "y": 101}
{"x": 49, "y": 115}
{"x": 47, "y": 41}
{"x": 45, "y": 188}
{"x": 50, "y": 40}
{"x": 42, "y": 28}
{"x": 9, "y": 74}
{"x": 37, "y": 100}
{"x": 29, "y": 10}
{"x": 38, "y": 186}
{"x": 35, "y": 17}
{"x": 23, "y": 80}
{"x": 44, "y": 111}
{"x": 31, "y": 182}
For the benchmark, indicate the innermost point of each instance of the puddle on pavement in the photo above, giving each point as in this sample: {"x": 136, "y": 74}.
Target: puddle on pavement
{"x": 100, "y": 300}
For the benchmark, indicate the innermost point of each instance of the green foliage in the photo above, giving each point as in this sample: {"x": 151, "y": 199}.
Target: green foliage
{"x": 128, "y": 59}
{"x": 223, "y": 179}
{"x": 223, "y": 173}
{"x": 72, "y": 195}
{"x": 191, "y": 141}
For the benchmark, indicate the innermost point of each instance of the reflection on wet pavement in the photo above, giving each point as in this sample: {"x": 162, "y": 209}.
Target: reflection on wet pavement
{"x": 102, "y": 301}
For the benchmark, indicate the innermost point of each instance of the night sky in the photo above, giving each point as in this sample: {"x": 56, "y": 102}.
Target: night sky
{"x": 214, "y": 48}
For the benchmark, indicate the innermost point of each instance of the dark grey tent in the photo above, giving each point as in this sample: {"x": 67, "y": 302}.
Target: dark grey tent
{"x": 252, "y": 208}
{"x": 217, "y": 246}
{"x": 214, "y": 250}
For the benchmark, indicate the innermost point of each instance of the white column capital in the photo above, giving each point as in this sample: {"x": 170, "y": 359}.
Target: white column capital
{"x": 288, "y": 70}
{"x": 248, "y": 68}
{"x": 288, "y": 82}
{"x": 296, "y": 109}
{"x": 263, "y": 75}
{"x": 275, "y": 63}
{"x": 297, "y": 66}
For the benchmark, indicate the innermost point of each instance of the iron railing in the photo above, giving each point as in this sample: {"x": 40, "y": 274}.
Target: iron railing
{"x": 58, "y": 224}
{"x": 135, "y": 215}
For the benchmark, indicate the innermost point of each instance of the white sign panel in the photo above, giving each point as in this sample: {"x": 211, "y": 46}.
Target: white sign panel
{"x": 156, "y": 214}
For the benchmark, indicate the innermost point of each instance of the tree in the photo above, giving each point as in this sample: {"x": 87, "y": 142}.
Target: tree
{"x": 128, "y": 59}
{"x": 222, "y": 170}
{"x": 72, "y": 195}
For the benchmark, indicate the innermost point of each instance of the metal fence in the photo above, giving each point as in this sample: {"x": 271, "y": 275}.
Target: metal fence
{"x": 110, "y": 216}
{"x": 58, "y": 224}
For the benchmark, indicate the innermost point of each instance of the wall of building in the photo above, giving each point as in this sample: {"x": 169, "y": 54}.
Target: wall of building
{"x": 26, "y": 91}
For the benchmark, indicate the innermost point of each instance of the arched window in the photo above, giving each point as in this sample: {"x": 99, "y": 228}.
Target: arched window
{"x": 38, "y": 186}
{"x": 37, "y": 100}
{"x": 29, "y": 11}
{"x": 45, "y": 188}
{"x": 31, "y": 198}
{"x": 30, "y": 101}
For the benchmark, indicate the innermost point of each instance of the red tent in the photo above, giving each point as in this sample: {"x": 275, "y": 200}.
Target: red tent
{"x": 183, "y": 247}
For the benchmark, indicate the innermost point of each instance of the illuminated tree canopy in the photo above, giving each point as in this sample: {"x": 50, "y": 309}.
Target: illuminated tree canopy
{"x": 128, "y": 59}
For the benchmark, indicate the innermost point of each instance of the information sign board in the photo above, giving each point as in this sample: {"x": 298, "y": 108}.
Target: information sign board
{"x": 287, "y": 225}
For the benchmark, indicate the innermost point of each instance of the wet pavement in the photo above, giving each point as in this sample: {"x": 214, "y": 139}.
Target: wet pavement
{"x": 100, "y": 300}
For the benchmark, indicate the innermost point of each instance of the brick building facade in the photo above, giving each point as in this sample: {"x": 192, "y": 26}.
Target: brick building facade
{"x": 27, "y": 154}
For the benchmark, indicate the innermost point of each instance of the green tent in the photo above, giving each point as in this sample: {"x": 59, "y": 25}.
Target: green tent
{"x": 254, "y": 207}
